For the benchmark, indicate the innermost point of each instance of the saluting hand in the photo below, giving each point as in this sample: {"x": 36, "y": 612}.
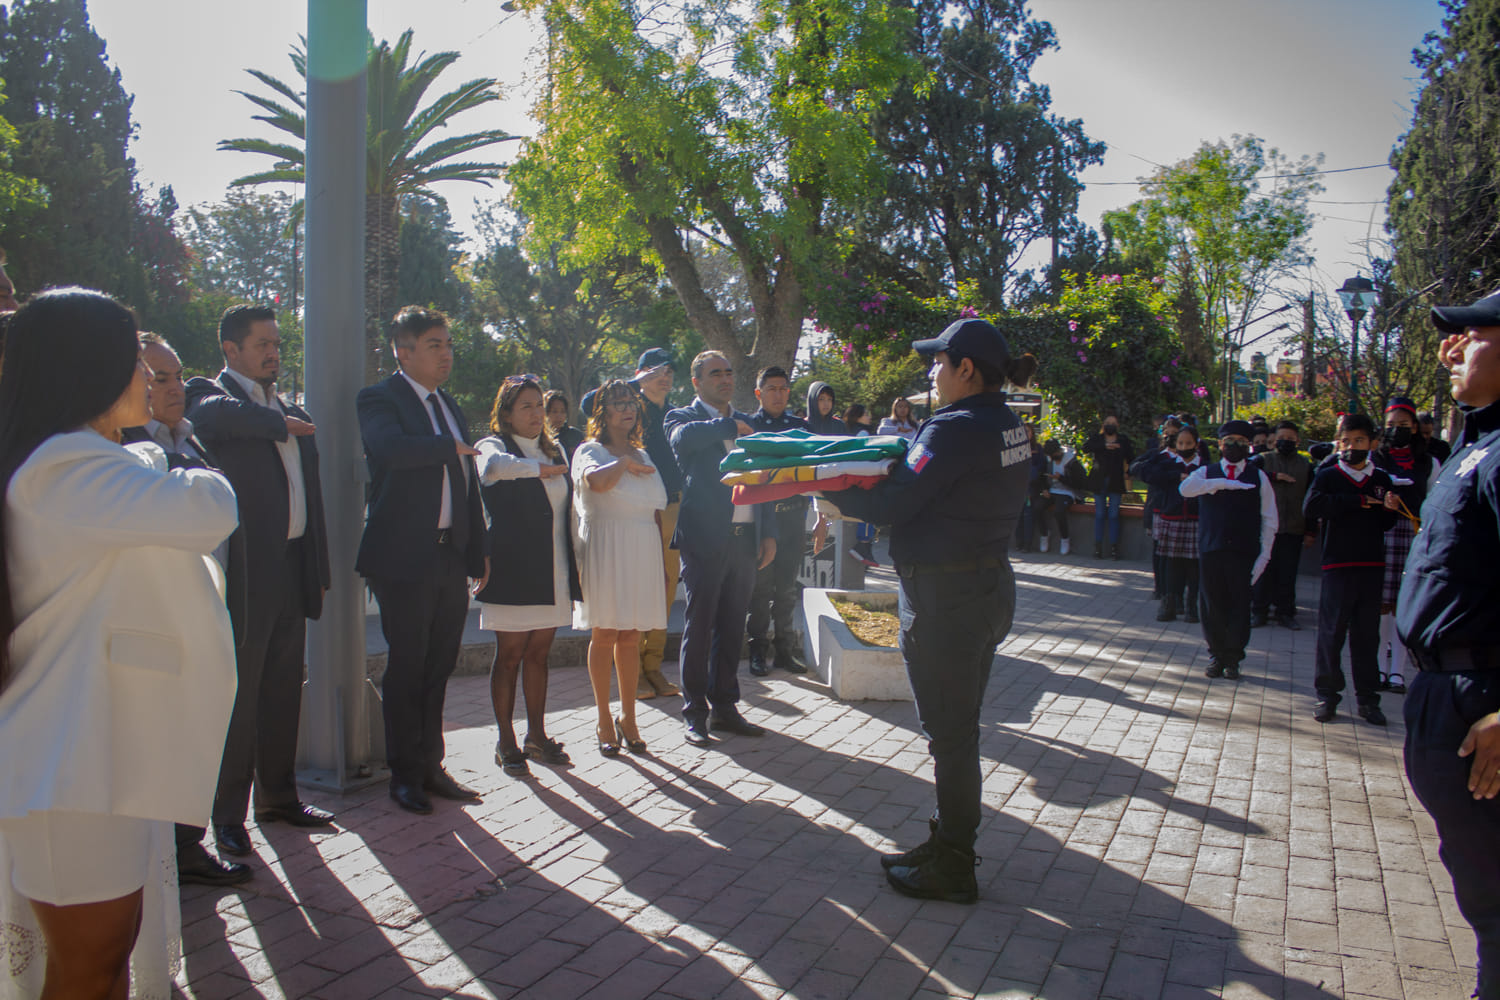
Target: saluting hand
{"x": 548, "y": 471}
{"x": 299, "y": 428}
{"x": 742, "y": 428}
{"x": 1483, "y": 742}
{"x": 638, "y": 468}
{"x": 464, "y": 449}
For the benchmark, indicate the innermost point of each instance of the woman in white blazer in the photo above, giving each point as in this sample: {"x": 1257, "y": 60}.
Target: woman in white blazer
{"x": 116, "y": 656}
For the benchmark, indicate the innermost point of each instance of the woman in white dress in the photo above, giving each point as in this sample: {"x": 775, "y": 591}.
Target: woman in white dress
{"x": 116, "y": 658}
{"x": 620, "y": 499}
{"x": 533, "y": 577}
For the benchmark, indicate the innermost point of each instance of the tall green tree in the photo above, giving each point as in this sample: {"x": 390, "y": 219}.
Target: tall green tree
{"x": 73, "y": 126}
{"x": 1223, "y": 228}
{"x": 17, "y": 191}
{"x": 246, "y": 247}
{"x": 431, "y": 252}
{"x": 980, "y": 169}
{"x": 404, "y": 156}
{"x": 744, "y": 124}
{"x": 1443, "y": 207}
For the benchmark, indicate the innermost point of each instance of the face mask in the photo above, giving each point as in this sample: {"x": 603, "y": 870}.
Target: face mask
{"x": 1288, "y": 448}
{"x": 1399, "y": 437}
{"x": 1355, "y": 457}
{"x": 1188, "y": 452}
{"x": 1235, "y": 452}
{"x": 1111, "y": 428}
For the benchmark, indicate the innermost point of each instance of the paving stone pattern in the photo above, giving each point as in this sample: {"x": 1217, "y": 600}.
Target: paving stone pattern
{"x": 1148, "y": 833}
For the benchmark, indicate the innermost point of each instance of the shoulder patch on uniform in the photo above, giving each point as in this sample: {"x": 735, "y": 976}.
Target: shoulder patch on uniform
{"x": 917, "y": 457}
{"x": 1471, "y": 461}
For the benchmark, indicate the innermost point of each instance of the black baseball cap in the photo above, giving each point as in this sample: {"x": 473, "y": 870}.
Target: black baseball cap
{"x": 1457, "y": 319}
{"x": 655, "y": 358}
{"x": 975, "y": 339}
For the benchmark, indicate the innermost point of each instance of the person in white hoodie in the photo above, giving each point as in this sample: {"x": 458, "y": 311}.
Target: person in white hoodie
{"x": 116, "y": 657}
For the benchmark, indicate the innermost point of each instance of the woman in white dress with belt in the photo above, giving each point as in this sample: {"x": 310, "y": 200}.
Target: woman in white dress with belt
{"x": 533, "y": 578}
{"x": 620, "y": 499}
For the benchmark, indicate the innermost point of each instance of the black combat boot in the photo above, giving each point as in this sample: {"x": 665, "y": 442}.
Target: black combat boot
{"x": 787, "y": 658}
{"x": 947, "y": 873}
{"x": 916, "y": 855}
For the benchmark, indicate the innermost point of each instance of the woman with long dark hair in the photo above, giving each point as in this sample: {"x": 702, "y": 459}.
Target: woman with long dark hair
{"x": 900, "y": 422}
{"x": 620, "y": 498}
{"x": 533, "y": 579}
{"x": 116, "y": 655}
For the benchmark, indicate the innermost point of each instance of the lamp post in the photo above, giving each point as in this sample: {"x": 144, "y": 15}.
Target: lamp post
{"x": 1358, "y": 296}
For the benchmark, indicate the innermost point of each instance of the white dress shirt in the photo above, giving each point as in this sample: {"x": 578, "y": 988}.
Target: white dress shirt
{"x": 291, "y": 457}
{"x": 445, "y": 506}
{"x": 174, "y": 440}
{"x": 1198, "y": 484}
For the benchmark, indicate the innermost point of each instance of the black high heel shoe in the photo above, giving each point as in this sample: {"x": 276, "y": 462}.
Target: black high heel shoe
{"x": 636, "y": 745}
{"x": 609, "y": 748}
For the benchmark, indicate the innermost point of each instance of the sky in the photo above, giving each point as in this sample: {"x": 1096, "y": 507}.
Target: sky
{"x": 1152, "y": 78}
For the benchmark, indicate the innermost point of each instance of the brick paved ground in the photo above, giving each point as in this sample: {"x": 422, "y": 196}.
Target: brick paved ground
{"x": 1148, "y": 833}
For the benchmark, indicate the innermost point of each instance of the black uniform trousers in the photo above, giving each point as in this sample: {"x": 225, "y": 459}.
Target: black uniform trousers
{"x": 1439, "y": 709}
{"x": 1277, "y": 586}
{"x": 713, "y": 629}
{"x": 1224, "y": 603}
{"x": 1349, "y": 605}
{"x": 774, "y": 599}
{"x": 423, "y": 621}
{"x": 260, "y": 747}
{"x": 951, "y": 623}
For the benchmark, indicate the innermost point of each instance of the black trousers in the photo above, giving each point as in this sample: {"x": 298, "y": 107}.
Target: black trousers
{"x": 423, "y": 622}
{"x": 1224, "y": 603}
{"x": 713, "y": 629}
{"x": 1349, "y": 605}
{"x": 1055, "y": 506}
{"x": 1277, "y": 586}
{"x": 773, "y": 602}
{"x": 1439, "y": 710}
{"x": 1181, "y": 585}
{"x": 260, "y": 748}
{"x": 950, "y": 626}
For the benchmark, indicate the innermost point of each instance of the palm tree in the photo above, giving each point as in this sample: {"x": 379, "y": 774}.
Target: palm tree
{"x": 395, "y": 167}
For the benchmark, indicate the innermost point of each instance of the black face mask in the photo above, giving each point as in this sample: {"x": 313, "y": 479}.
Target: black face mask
{"x": 1356, "y": 456}
{"x": 1235, "y": 452}
{"x": 1111, "y": 428}
{"x": 1188, "y": 452}
{"x": 1287, "y": 448}
{"x": 1398, "y": 437}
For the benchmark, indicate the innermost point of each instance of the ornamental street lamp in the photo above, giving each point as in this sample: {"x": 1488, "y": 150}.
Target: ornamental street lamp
{"x": 1358, "y": 295}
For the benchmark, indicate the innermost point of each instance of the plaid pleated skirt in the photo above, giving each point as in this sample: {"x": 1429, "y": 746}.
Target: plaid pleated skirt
{"x": 1397, "y": 544}
{"x": 1176, "y": 538}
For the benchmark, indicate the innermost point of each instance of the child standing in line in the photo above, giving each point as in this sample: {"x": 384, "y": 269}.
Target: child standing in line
{"x": 1356, "y": 504}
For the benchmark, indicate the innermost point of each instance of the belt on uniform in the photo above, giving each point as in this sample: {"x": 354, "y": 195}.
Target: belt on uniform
{"x": 445, "y": 536}
{"x": 1458, "y": 659}
{"x": 909, "y": 570}
{"x": 736, "y": 530}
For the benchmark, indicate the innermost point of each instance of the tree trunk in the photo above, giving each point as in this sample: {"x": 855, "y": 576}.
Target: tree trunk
{"x": 382, "y": 266}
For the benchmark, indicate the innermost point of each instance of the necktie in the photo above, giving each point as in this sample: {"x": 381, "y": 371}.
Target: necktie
{"x": 459, "y": 530}
{"x": 1230, "y": 469}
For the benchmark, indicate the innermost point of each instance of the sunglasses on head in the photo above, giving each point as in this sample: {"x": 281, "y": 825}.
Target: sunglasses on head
{"x": 521, "y": 379}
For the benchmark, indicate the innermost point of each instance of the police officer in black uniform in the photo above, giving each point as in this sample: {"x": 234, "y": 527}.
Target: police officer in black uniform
{"x": 775, "y": 596}
{"x": 1446, "y": 616}
{"x": 952, "y": 509}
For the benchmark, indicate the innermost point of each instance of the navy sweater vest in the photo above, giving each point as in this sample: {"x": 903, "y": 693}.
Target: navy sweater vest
{"x": 1230, "y": 519}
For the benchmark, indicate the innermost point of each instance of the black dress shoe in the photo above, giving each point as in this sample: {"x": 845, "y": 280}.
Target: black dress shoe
{"x": 1290, "y": 622}
{"x": 443, "y": 786}
{"x": 296, "y": 814}
{"x": 698, "y": 735}
{"x": 788, "y": 660}
{"x": 1326, "y": 711}
{"x": 736, "y": 724}
{"x": 231, "y": 838}
{"x": 758, "y": 666}
{"x": 1232, "y": 671}
{"x": 411, "y": 798}
{"x": 1372, "y": 714}
{"x": 1215, "y": 669}
{"x": 195, "y": 866}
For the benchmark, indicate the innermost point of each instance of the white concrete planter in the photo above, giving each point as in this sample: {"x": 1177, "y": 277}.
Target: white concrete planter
{"x": 854, "y": 671}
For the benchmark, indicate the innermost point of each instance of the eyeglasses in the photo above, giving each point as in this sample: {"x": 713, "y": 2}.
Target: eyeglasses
{"x": 519, "y": 379}
{"x": 621, "y": 405}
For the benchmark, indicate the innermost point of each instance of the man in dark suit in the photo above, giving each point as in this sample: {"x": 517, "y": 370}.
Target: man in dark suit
{"x": 423, "y": 541}
{"x": 264, "y": 445}
{"x": 171, "y": 431}
{"x": 722, "y": 546}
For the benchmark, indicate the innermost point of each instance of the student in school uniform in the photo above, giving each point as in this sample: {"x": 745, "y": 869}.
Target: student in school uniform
{"x": 1236, "y": 529}
{"x": 1175, "y": 526}
{"x": 1356, "y": 503}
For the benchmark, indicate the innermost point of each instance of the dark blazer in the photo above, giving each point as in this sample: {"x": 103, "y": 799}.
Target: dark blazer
{"x": 698, "y": 433}
{"x": 519, "y": 544}
{"x": 234, "y": 572}
{"x": 406, "y": 460}
{"x": 242, "y": 436}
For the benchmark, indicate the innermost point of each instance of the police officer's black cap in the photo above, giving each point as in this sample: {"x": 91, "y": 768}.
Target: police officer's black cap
{"x": 655, "y": 358}
{"x": 1457, "y": 319}
{"x": 975, "y": 339}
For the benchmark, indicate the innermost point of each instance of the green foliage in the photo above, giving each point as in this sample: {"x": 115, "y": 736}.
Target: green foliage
{"x": 875, "y": 382}
{"x": 1315, "y": 418}
{"x": 1217, "y": 240}
{"x": 245, "y": 247}
{"x": 17, "y": 193}
{"x": 744, "y": 124}
{"x": 1107, "y": 347}
{"x": 979, "y": 169}
{"x": 430, "y": 256}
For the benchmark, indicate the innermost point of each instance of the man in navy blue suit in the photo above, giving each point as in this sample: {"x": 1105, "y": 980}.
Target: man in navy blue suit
{"x": 722, "y": 546}
{"x": 423, "y": 541}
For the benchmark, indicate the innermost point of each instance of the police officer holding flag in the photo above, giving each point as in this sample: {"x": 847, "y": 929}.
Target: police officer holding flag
{"x": 952, "y": 509}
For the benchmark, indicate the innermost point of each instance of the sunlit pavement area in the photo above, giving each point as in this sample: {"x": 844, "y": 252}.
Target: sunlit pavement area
{"x": 1148, "y": 833}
